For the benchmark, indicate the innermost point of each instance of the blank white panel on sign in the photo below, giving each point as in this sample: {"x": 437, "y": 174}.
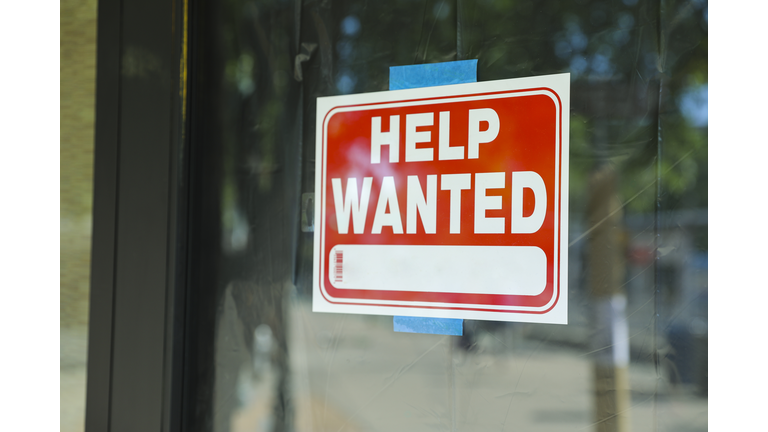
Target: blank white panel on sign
{"x": 507, "y": 270}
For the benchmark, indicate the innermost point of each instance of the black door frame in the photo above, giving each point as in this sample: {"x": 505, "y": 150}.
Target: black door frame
{"x": 139, "y": 218}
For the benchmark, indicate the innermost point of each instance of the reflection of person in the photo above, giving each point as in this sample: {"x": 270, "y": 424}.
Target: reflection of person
{"x": 262, "y": 307}
{"x": 252, "y": 275}
{"x": 247, "y": 308}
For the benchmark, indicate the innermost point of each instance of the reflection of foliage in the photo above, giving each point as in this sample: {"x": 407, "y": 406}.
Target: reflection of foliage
{"x": 622, "y": 56}
{"x": 634, "y": 65}
{"x": 256, "y": 87}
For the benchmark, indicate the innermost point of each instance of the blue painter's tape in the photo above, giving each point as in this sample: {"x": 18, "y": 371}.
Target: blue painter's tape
{"x": 430, "y": 75}
{"x": 443, "y": 326}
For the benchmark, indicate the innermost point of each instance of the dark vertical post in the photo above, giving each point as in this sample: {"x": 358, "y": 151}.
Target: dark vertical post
{"x": 138, "y": 226}
{"x": 105, "y": 173}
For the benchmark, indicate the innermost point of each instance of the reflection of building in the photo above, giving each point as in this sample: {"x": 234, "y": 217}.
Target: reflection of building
{"x": 682, "y": 280}
{"x": 682, "y": 264}
{"x": 682, "y": 298}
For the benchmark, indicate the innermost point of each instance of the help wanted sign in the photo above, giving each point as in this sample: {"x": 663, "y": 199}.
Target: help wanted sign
{"x": 447, "y": 201}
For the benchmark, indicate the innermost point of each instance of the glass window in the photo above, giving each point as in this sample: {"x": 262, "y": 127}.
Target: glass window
{"x": 634, "y": 353}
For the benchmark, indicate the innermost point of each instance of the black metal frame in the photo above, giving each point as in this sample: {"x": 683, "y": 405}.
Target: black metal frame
{"x": 139, "y": 217}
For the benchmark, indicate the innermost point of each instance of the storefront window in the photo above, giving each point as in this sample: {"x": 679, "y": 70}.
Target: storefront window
{"x": 633, "y": 355}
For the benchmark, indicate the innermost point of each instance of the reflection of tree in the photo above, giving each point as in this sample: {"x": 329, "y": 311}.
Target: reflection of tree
{"x": 246, "y": 152}
{"x": 622, "y": 56}
{"x": 260, "y": 176}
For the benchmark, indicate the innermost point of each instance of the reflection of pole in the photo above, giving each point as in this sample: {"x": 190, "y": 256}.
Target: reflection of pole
{"x": 610, "y": 342}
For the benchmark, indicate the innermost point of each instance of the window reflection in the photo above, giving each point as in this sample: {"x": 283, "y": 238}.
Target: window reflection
{"x": 634, "y": 354}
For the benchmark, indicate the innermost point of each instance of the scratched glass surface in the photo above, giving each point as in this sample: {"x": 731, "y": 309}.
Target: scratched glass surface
{"x": 634, "y": 353}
